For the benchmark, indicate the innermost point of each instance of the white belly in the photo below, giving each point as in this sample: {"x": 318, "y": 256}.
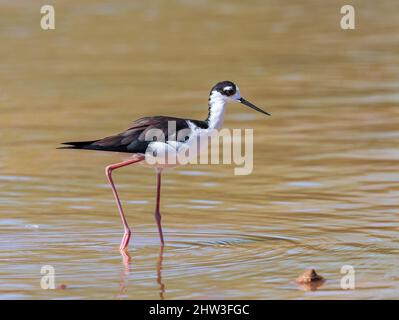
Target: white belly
{"x": 171, "y": 154}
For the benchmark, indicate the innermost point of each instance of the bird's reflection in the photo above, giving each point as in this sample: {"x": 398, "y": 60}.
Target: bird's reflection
{"x": 127, "y": 263}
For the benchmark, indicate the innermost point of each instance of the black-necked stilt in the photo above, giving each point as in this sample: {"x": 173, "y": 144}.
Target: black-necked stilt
{"x": 134, "y": 141}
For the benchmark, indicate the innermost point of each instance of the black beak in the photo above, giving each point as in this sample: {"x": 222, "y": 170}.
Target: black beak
{"x": 249, "y": 104}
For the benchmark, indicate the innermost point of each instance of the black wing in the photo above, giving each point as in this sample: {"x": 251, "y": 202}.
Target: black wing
{"x": 133, "y": 140}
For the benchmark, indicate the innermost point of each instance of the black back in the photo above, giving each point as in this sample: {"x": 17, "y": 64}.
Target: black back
{"x": 133, "y": 140}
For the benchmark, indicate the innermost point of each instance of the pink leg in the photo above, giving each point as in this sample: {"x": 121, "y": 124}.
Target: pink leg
{"x": 157, "y": 212}
{"x": 108, "y": 172}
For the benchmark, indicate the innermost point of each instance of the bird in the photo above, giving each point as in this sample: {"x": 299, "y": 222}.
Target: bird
{"x": 151, "y": 138}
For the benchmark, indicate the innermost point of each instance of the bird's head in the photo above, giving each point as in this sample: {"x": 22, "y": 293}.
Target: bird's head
{"x": 229, "y": 91}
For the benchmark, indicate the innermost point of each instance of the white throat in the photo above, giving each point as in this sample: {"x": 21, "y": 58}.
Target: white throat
{"x": 217, "y": 105}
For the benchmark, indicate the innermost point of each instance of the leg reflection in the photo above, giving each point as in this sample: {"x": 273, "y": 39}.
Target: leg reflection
{"x": 159, "y": 273}
{"x": 127, "y": 261}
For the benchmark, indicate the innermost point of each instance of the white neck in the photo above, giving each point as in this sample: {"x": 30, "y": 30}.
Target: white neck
{"x": 217, "y": 105}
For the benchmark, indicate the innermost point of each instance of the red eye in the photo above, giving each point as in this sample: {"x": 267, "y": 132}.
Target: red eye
{"x": 228, "y": 92}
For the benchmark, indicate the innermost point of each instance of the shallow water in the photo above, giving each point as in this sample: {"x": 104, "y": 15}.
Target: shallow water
{"x": 324, "y": 191}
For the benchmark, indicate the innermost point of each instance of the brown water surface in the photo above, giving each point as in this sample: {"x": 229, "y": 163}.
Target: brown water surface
{"x": 324, "y": 192}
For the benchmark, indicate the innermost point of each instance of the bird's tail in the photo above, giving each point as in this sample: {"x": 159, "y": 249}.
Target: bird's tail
{"x": 77, "y": 144}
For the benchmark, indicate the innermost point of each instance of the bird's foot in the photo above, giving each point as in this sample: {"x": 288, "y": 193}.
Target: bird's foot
{"x": 125, "y": 240}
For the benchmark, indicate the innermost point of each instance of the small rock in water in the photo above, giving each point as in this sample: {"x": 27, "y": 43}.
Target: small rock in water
{"x": 309, "y": 276}
{"x": 310, "y": 280}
